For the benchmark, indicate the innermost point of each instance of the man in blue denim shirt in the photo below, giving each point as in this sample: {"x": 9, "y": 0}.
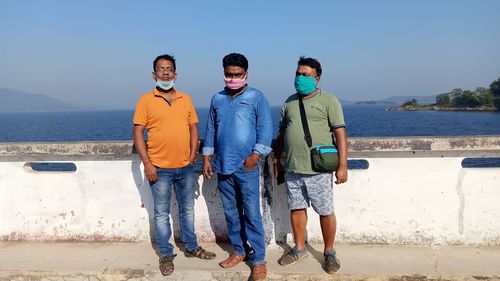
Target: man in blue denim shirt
{"x": 239, "y": 132}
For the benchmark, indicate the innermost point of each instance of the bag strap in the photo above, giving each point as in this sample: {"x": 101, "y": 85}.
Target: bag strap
{"x": 305, "y": 126}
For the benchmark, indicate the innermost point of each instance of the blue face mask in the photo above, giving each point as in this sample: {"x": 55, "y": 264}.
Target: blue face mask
{"x": 305, "y": 85}
{"x": 165, "y": 85}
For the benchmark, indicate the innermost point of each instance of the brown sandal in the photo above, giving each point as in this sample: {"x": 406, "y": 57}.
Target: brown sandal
{"x": 167, "y": 265}
{"x": 200, "y": 253}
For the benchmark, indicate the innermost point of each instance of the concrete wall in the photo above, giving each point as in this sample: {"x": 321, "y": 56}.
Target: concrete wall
{"x": 414, "y": 192}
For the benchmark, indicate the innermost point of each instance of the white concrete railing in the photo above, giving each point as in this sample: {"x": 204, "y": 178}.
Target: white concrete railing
{"x": 414, "y": 192}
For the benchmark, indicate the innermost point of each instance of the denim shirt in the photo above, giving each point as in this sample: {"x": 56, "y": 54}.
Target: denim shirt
{"x": 236, "y": 128}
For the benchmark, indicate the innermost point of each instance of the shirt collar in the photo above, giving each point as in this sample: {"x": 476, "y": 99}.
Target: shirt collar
{"x": 238, "y": 94}
{"x": 177, "y": 94}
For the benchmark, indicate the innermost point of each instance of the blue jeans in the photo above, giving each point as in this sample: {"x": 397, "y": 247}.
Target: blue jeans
{"x": 240, "y": 194}
{"x": 182, "y": 181}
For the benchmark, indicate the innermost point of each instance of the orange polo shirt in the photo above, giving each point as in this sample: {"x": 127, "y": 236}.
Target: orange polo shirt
{"x": 168, "y": 127}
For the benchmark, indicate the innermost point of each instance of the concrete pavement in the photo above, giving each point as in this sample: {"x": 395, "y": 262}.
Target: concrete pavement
{"x": 78, "y": 261}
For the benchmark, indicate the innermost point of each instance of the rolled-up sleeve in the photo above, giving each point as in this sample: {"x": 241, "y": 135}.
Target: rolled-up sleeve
{"x": 262, "y": 149}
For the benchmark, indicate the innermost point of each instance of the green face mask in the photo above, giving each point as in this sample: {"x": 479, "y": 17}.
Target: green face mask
{"x": 305, "y": 85}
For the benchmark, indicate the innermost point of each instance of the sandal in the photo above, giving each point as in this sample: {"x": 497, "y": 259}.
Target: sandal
{"x": 200, "y": 253}
{"x": 167, "y": 265}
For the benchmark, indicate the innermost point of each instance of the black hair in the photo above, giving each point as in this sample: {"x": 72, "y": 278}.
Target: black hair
{"x": 312, "y": 63}
{"x": 235, "y": 59}
{"x": 164, "y": 57}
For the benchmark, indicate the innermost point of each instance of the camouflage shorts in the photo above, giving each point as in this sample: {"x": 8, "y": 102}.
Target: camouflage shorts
{"x": 305, "y": 190}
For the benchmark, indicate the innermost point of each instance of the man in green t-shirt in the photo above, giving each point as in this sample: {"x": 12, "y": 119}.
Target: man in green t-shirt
{"x": 306, "y": 187}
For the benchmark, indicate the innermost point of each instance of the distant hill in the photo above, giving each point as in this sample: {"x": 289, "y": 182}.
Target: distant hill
{"x": 399, "y": 100}
{"x": 12, "y": 100}
{"x": 344, "y": 102}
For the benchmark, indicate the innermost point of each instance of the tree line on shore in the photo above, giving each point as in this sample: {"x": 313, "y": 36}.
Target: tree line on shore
{"x": 480, "y": 98}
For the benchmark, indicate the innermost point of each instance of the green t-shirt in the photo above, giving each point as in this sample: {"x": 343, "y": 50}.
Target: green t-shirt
{"x": 323, "y": 112}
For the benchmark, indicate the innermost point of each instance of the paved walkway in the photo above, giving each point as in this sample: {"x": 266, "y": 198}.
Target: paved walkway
{"x": 138, "y": 261}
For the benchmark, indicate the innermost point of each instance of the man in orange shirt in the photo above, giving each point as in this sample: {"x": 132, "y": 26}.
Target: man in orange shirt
{"x": 171, "y": 122}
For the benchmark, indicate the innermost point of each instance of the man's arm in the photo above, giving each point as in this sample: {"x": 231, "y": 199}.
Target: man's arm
{"x": 140, "y": 146}
{"x": 278, "y": 150}
{"x": 264, "y": 132}
{"x": 194, "y": 140}
{"x": 341, "y": 141}
{"x": 209, "y": 141}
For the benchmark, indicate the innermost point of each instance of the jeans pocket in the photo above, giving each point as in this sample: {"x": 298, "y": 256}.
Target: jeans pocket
{"x": 249, "y": 170}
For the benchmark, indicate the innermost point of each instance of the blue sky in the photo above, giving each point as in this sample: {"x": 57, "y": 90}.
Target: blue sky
{"x": 100, "y": 53}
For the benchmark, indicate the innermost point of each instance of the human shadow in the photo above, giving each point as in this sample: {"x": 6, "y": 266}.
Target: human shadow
{"x": 217, "y": 218}
{"x": 144, "y": 190}
{"x": 174, "y": 214}
{"x": 276, "y": 198}
{"x": 315, "y": 253}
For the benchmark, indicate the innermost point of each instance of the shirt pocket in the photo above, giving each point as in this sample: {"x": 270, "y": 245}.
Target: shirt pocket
{"x": 245, "y": 109}
{"x": 219, "y": 114}
{"x": 318, "y": 113}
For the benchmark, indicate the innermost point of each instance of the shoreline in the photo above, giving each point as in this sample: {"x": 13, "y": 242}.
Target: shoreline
{"x": 437, "y": 108}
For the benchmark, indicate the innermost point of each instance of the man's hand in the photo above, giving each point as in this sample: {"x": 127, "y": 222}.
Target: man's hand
{"x": 341, "y": 175}
{"x": 251, "y": 161}
{"x": 140, "y": 145}
{"x": 207, "y": 168}
{"x": 192, "y": 159}
{"x": 341, "y": 140}
{"x": 151, "y": 173}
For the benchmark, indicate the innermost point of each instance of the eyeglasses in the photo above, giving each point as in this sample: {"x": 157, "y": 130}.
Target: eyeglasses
{"x": 166, "y": 70}
{"x": 234, "y": 75}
